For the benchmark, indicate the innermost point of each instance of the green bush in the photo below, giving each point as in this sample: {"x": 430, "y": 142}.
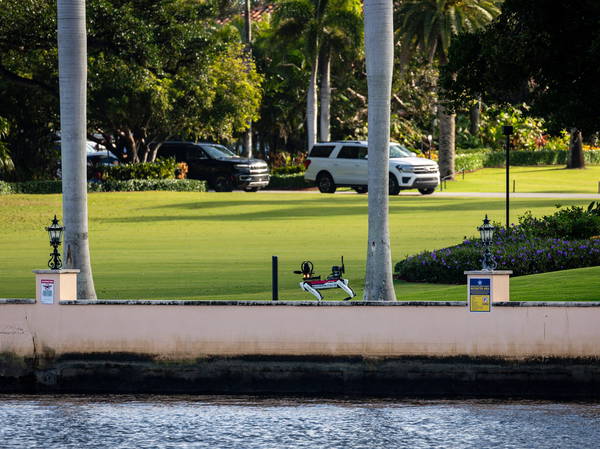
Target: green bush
{"x": 567, "y": 239}
{"x": 159, "y": 169}
{"x": 289, "y": 182}
{"x": 288, "y": 170}
{"x": 142, "y": 185}
{"x": 37, "y": 187}
{"x": 5, "y": 188}
{"x": 131, "y": 185}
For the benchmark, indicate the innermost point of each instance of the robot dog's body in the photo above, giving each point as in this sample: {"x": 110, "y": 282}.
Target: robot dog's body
{"x": 312, "y": 284}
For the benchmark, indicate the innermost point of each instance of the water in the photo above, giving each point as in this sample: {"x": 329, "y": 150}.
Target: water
{"x": 50, "y": 422}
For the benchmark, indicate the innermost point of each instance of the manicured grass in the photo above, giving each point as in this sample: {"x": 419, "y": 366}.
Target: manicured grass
{"x": 550, "y": 179}
{"x": 582, "y": 284}
{"x": 219, "y": 245}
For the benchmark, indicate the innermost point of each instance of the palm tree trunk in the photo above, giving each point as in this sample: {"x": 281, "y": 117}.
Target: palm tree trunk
{"x": 475, "y": 117}
{"x": 311, "y": 104}
{"x": 72, "y": 67}
{"x": 575, "y": 157}
{"x": 379, "y": 49}
{"x": 447, "y": 123}
{"x": 248, "y": 41}
{"x": 325, "y": 94}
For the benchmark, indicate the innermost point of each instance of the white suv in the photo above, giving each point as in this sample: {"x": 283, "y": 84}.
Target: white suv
{"x": 344, "y": 163}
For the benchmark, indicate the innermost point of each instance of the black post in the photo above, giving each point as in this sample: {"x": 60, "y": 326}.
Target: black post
{"x": 275, "y": 278}
{"x": 507, "y": 131}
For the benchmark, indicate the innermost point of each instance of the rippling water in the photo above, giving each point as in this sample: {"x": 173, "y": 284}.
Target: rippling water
{"x": 243, "y": 422}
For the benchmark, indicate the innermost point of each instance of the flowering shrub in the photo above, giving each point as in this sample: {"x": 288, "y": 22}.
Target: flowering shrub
{"x": 567, "y": 239}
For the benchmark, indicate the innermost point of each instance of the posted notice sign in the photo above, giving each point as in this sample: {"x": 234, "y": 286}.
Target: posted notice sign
{"x": 480, "y": 297}
{"x": 47, "y": 291}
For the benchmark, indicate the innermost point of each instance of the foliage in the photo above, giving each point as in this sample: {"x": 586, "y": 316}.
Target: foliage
{"x": 526, "y": 130}
{"x": 6, "y": 164}
{"x": 523, "y": 255}
{"x": 572, "y": 223}
{"x": 288, "y": 182}
{"x": 159, "y": 169}
{"x": 142, "y": 185}
{"x": 536, "y": 53}
{"x": 131, "y": 185}
{"x": 288, "y": 170}
{"x": 155, "y": 69}
{"x": 567, "y": 239}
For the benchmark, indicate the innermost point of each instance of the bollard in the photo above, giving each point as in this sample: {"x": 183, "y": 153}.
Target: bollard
{"x": 514, "y": 185}
{"x": 598, "y": 186}
{"x": 274, "y": 263}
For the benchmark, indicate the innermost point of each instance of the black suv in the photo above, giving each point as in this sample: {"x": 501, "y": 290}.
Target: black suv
{"x": 222, "y": 168}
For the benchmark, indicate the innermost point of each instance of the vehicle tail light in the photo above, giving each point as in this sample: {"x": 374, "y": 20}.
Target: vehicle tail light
{"x": 306, "y": 163}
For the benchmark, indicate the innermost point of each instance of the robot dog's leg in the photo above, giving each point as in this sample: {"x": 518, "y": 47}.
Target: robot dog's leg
{"x": 307, "y": 288}
{"x": 341, "y": 284}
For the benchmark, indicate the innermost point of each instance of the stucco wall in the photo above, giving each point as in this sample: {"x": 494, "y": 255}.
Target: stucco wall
{"x": 188, "y": 330}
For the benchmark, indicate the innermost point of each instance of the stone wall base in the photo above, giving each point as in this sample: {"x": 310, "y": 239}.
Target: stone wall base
{"x": 424, "y": 377}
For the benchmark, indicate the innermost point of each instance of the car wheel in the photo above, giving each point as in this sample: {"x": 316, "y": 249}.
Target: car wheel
{"x": 325, "y": 183}
{"x": 361, "y": 189}
{"x": 221, "y": 183}
{"x": 427, "y": 191}
{"x": 251, "y": 189}
{"x": 394, "y": 186}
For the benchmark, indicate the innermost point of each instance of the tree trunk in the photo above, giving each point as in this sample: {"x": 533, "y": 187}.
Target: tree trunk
{"x": 475, "y": 116}
{"x": 447, "y": 124}
{"x": 72, "y": 68}
{"x": 325, "y": 94}
{"x": 311, "y": 105}
{"x": 379, "y": 48}
{"x": 248, "y": 42}
{"x": 575, "y": 159}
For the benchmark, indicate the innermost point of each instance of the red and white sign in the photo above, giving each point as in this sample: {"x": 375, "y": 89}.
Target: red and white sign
{"x": 47, "y": 291}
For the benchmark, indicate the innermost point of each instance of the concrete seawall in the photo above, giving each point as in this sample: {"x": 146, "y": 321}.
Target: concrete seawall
{"x": 409, "y": 349}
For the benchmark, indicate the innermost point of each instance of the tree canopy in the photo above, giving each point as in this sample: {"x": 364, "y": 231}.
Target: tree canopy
{"x": 543, "y": 53}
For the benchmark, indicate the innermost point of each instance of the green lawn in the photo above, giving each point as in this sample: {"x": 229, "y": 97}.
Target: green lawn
{"x": 582, "y": 284}
{"x": 219, "y": 245}
{"x": 550, "y": 179}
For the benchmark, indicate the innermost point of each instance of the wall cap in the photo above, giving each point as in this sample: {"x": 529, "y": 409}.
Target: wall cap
{"x": 61, "y": 271}
{"x": 492, "y": 272}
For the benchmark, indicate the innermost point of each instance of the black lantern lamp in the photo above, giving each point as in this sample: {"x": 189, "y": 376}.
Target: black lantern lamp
{"x": 55, "y": 233}
{"x": 487, "y": 234}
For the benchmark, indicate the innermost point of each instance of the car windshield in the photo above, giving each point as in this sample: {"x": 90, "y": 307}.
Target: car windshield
{"x": 219, "y": 151}
{"x": 397, "y": 150}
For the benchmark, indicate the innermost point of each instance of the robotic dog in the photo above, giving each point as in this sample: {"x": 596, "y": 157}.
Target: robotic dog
{"x": 312, "y": 284}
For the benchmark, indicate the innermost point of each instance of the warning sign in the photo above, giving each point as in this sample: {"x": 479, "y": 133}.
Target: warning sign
{"x": 480, "y": 298}
{"x": 47, "y": 291}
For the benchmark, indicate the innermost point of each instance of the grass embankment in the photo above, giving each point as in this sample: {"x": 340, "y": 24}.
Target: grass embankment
{"x": 162, "y": 245}
{"x": 547, "y": 179}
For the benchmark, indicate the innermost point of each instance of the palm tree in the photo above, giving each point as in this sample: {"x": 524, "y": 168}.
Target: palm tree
{"x": 345, "y": 37}
{"x": 429, "y": 25}
{"x": 72, "y": 67}
{"x": 320, "y": 25}
{"x": 379, "y": 48}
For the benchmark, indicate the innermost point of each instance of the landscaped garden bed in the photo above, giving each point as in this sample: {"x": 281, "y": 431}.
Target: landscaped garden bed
{"x": 570, "y": 238}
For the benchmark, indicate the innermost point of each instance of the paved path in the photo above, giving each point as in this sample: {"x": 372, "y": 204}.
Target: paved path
{"x": 590, "y": 196}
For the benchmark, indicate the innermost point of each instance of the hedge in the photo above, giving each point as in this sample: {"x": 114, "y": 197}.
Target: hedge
{"x": 159, "y": 169}
{"x": 289, "y": 182}
{"x": 131, "y": 185}
{"x": 469, "y": 161}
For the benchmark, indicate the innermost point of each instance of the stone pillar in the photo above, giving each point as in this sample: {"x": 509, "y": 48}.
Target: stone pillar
{"x": 53, "y": 286}
{"x": 499, "y": 280}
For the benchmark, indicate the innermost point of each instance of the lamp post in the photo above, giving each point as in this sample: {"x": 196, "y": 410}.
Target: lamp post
{"x": 487, "y": 234}
{"x": 55, "y": 233}
{"x": 507, "y": 131}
